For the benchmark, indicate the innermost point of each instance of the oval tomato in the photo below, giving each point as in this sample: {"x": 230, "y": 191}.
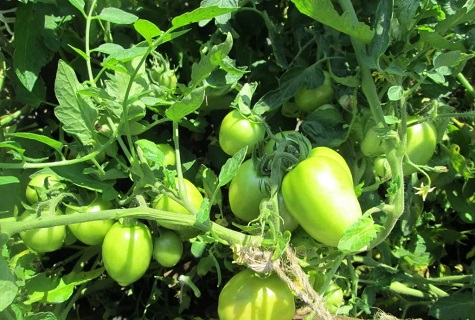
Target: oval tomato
{"x": 320, "y": 196}
{"x": 333, "y": 155}
{"x": 308, "y": 100}
{"x": 421, "y": 144}
{"x": 92, "y": 232}
{"x": 43, "y": 239}
{"x": 248, "y": 296}
{"x": 42, "y": 181}
{"x": 236, "y": 132}
{"x": 246, "y": 191}
{"x": 167, "y": 248}
{"x": 127, "y": 252}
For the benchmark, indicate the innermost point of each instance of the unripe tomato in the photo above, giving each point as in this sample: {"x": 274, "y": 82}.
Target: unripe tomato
{"x": 333, "y": 298}
{"x": 92, "y": 232}
{"x": 382, "y": 168}
{"x": 44, "y": 181}
{"x": 289, "y": 223}
{"x": 248, "y": 296}
{"x": 246, "y": 191}
{"x": 372, "y": 145}
{"x": 308, "y": 100}
{"x": 127, "y": 252}
{"x": 332, "y": 154}
{"x": 421, "y": 144}
{"x": 43, "y": 239}
{"x": 167, "y": 248}
{"x": 320, "y": 196}
{"x": 169, "y": 156}
{"x": 236, "y": 132}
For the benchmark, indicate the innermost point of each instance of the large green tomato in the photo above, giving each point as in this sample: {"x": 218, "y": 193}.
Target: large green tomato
{"x": 320, "y": 196}
{"x": 248, "y": 296}
{"x": 246, "y": 191}
{"x": 333, "y": 155}
{"x": 167, "y": 248}
{"x": 43, "y": 239}
{"x": 308, "y": 100}
{"x": 127, "y": 252}
{"x": 92, "y": 232}
{"x": 43, "y": 181}
{"x": 421, "y": 144}
{"x": 236, "y": 132}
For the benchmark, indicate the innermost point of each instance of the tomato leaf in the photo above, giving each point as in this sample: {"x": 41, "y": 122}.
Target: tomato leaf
{"x": 189, "y": 104}
{"x": 78, "y": 4}
{"x": 199, "y": 14}
{"x": 382, "y": 29}
{"x": 358, "y": 236}
{"x": 8, "y": 180}
{"x": 7, "y": 285}
{"x": 147, "y": 29}
{"x": 456, "y": 306}
{"x": 230, "y": 168}
{"x": 116, "y": 15}
{"x": 56, "y": 145}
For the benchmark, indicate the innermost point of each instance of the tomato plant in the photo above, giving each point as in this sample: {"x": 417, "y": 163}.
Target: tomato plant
{"x": 320, "y": 196}
{"x": 309, "y": 99}
{"x": 167, "y": 248}
{"x": 271, "y": 145}
{"x": 253, "y": 297}
{"x": 246, "y": 191}
{"x": 333, "y": 297}
{"x": 92, "y": 232}
{"x": 372, "y": 144}
{"x": 332, "y": 155}
{"x": 127, "y": 251}
{"x": 43, "y": 239}
{"x": 39, "y": 183}
{"x": 421, "y": 143}
{"x": 237, "y": 132}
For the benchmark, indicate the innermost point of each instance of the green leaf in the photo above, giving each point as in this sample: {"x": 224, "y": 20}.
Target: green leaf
{"x": 116, "y": 15}
{"x": 202, "y": 216}
{"x": 461, "y": 16}
{"x": 382, "y": 28}
{"x": 358, "y": 236}
{"x": 221, "y": 19}
{"x": 324, "y": 12}
{"x": 31, "y": 53}
{"x": 211, "y": 186}
{"x": 189, "y": 104}
{"x": 276, "y": 42}
{"x": 76, "y": 113}
{"x": 199, "y": 14}
{"x": 78, "y": 4}
{"x": 8, "y": 288}
{"x": 395, "y": 93}
{"x": 147, "y": 29}
{"x": 229, "y": 169}
{"x": 325, "y": 126}
{"x": 197, "y": 248}
{"x": 150, "y": 151}
{"x": 8, "y": 180}
{"x": 56, "y": 145}
{"x": 457, "y": 306}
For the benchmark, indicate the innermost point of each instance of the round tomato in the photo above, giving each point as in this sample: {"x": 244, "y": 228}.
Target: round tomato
{"x": 43, "y": 239}
{"x": 165, "y": 78}
{"x": 271, "y": 145}
{"x": 127, "y": 252}
{"x": 308, "y": 100}
{"x": 372, "y": 144}
{"x": 236, "y": 132}
{"x": 92, "y": 232}
{"x": 320, "y": 196}
{"x": 164, "y": 203}
{"x": 332, "y": 155}
{"x": 167, "y": 248}
{"x": 38, "y": 183}
{"x": 333, "y": 298}
{"x": 421, "y": 144}
{"x": 246, "y": 191}
{"x": 249, "y": 296}
{"x": 382, "y": 168}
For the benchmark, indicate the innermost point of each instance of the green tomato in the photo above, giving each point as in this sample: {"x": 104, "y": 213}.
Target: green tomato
{"x": 127, "y": 252}
{"x": 41, "y": 181}
{"x": 167, "y": 248}
{"x": 169, "y": 156}
{"x": 333, "y": 298}
{"x": 43, "y": 239}
{"x": 308, "y": 100}
{"x": 325, "y": 152}
{"x": 289, "y": 223}
{"x": 165, "y": 78}
{"x": 246, "y": 191}
{"x": 194, "y": 196}
{"x": 320, "y": 196}
{"x": 382, "y": 168}
{"x": 421, "y": 144}
{"x": 372, "y": 144}
{"x": 248, "y": 296}
{"x": 236, "y": 132}
{"x": 92, "y": 232}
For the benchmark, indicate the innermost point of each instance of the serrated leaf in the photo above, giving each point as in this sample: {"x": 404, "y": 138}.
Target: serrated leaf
{"x": 229, "y": 169}
{"x": 461, "y": 16}
{"x": 324, "y": 12}
{"x": 358, "y": 236}
{"x": 147, "y": 29}
{"x": 31, "y": 53}
{"x": 189, "y": 104}
{"x": 56, "y": 145}
{"x": 325, "y": 126}
{"x": 454, "y": 307}
{"x": 7, "y": 285}
{"x": 116, "y": 15}
{"x": 202, "y": 13}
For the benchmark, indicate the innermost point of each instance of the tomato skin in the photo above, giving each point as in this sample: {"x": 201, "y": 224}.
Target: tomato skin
{"x": 247, "y": 296}
{"x": 421, "y": 144}
{"x": 333, "y": 298}
{"x": 93, "y": 232}
{"x": 246, "y": 191}
{"x": 236, "y": 132}
{"x": 167, "y": 248}
{"x": 127, "y": 252}
{"x": 320, "y": 196}
{"x": 308, "y": 100}
{"x": 332, "y": 155}
{"x": 372, "y": 145}
{"x": 40, "y": 180}
{"x": 44, "y": 239}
